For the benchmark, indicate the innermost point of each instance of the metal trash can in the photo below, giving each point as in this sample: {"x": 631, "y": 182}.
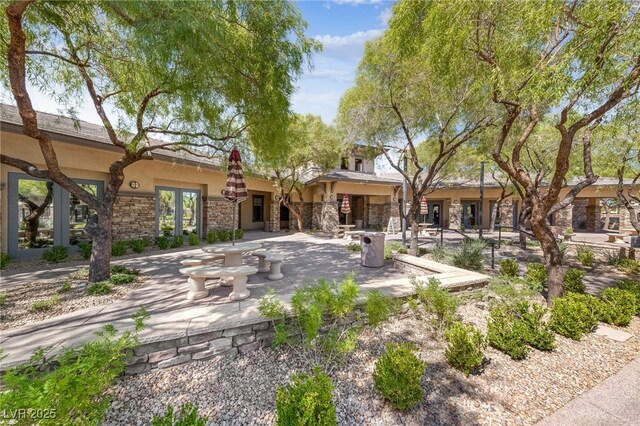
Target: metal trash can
{"x": 372, "y": 254}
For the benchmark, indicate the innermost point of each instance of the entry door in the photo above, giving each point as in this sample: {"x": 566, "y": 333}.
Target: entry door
{"x": 177, "y": 211}
{"x": 469, "y": 214}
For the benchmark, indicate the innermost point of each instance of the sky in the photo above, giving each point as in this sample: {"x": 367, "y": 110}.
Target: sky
{"x": 342, "y": 26}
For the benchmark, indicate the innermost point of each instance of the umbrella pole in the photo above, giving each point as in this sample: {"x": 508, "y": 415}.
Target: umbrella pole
{"x": 233, "y": 226}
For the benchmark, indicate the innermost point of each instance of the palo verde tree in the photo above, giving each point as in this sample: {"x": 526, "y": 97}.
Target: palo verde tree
{"x": 397, "y": 105}
{"x": 312, "y": 147}
{"x": 571, "y": 61}
{"x": 198, "y": 76}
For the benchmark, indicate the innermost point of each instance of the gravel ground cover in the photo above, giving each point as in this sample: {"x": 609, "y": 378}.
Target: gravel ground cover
{"x": 18, "y": 308}
{"x": 242, "y": 391}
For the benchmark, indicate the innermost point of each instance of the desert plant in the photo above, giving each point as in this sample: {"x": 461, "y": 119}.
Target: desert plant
{"x": 629, "y": 266}
{"x": 188, "y": 416}
{"x": 634, "y": 287}
{"x": 85, "y": 249}
{"x": 307, "y": 400}
{"x": 354, "y": 247}
{"x": 506, "y": 333}
{"x": 121, "y": 269}
{"x": 390, "y": 247}
{"x": 612, "y": 257}
{"x": 437, "y": 301}
{"x": 239, "y": 234}
{"x": 378, "y": 307}
{"x": 224, "y": 235}
{"x": 469, "y": 255}
{"x": 80, "y": 274}
{"x": 119, "y": 279}
{"x": 573, "y": 281}
{"x": 66, "y": 287}
{"x": 3, "y": 299}
{"x": 439, "y": 253}
{"x": 56, "y": 254}
{"x": 465, "y": 346}
{"x": 178, "y": 241}
{"x": 510, "y": 289}
{"x": 585, "y": 256}
{"x": 45, "y": 305}
{"x": 163, "y": 242}
{"x": 76, "y": 390}
{"x": 563, "y": 247}
{"x": 397, "y": 375}
{"x": 138, "y": 245}
{"x": 509, "y": 268}
{"x": 119, "y": 248}
{"x": 99, "y": 289}
{"x": 538, "y": 335}
{"x": 569, "y": 230}
{"x": 617, "y": 306}
{"x": 574, "y": 315}
{"x": 194, "y": 240}
{"x": 4, "y": 260}
{"x": 212, "y": 237}
{"x": 536, "y": 276}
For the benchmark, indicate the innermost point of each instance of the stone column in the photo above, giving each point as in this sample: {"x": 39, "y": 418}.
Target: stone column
{"x": 316, "y": 215}
{"x": 506, "y": 213}
{"x": 455, "y": 214}
{"x": 330, "y": 218}
{"x": 274, "y": 218}
{"x": 563, "y": 219}
{"x": 391, "y": 210}
{"x": 593, "y": 215}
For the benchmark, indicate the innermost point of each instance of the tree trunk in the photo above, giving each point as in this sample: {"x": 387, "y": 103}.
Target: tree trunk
{"x": 523, "y": 218}
{"x": 413, "y": 217}
{"x": 494, "y": 214}
{"x": 99, "y": 228}
{"x": 553, "y": 258}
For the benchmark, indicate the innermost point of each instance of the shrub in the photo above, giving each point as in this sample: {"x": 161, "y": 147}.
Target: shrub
{"x": 562, "y": 248}
{"x": 509, "y": 268}
{"x": 99, "y": 288}
{"x": 617, "y": 306}
{"x": 224, "y": 235}
{"x": 188, "y": 416}
{"x": 629, "y": 265}
{"x": 585, "y": 256}
{"x": 397, "y": 375}
{"x": 4, "y": 260}
{"x": 403, "y": 251}
{"x": 574, "y": 315}
{"x": 80, "y": 274}
{"x": 378, "y": 307}
{"x": 163, "y": 242}
{"x": 439, "y": 253}
{"x": 509, "y": 289}
{"x": 45, "y": 305}
{"x": 573, "y": 281}
{"x": 437, "y": 301}
{"x": 66, "y": 287}
{"x": 390, "y": 247}
{"x": 307, "y": 400}
{"x": 56, "y": 254}
{"x": 85, "y": 249}
{"x": 569, "y": 230}
{"x": 119, "y": 279}
{"x": 613, "y": 257}
{"x": 465, "y": 346}
{"x": 121, "y": 269}
{"x": 77, "y": 388}
{"x": 212, "y": 237}
{"x": 239, "y": 234}
{"x": 138, "y": 246}
{"x": 194, "y": 240}
{"x": 536, "y": 276}
{"x": 3, "y": 299}
{"x": 354, "y": 248}
{"x": 469, "y": 255}
{"x": 119, "y": 248}
{"x": 538, "y": 335}
{"x": 634, "y": 287}
{"x": 178, "y": 241}
{"x": 506, "y": 333}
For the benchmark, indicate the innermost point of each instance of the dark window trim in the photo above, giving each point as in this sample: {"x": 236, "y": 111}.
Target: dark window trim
{"x": 253, "y": 206}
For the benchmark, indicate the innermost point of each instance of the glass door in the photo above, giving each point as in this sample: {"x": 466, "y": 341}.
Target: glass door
{"x": 177, "y": 211}
{"x": 469, "y": 212}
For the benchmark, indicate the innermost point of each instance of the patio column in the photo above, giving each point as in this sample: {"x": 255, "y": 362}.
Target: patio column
{"x": 329, "y": 217}
{"x": 593, "y": 215}
{"x": 563, "y": 219}
{"x": 455, "y": 214}
{"x": 274, "y": 218}
{"x": 391, "y": 210}
{"x": 506, "y": 213}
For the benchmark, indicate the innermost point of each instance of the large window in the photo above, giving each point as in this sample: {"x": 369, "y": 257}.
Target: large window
{"x": 42, "y": 214}
{"x": 258, "y": 208}
{"x": 359, "y": 165}
{"x": 177, "y": 211}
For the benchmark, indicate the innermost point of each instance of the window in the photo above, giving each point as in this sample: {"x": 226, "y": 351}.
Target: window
{"x": 177, "y": 211}
{"x": 359, "y": 165}
{"x": 258, "y": 208}
{"x": 344, "y": 164}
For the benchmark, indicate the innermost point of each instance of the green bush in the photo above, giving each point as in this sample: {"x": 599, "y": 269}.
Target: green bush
{"x": 178, "y": 241}
{"x": 76, "y": 390}
{"x": 634, "y": 287}
{"x": 469, "y": 255}
{"x": 85, "y": 249}
{"x": 629, "y": 265}
{"x": 139, "y": 245}
{"x": 3, "y": 299}
{"x": 99, "y": 288}
{"x": 506, "y": 333}
{"x": 538, "y": 335}
{"x": 4, "y": 260}
{"x": 119, "y": 279}
{"x": 354, "y": 247}
{"x": 224, "y": 235}
{"x": 573, "y": 281}
{"x": 194, "y": 240}
{"x": 80, "y": 274}
{"x": 562, "y": 248}
{"x": 66, "y": 287}
{"x": 390, "y": 247}
{"x": 465, "y": 346}
{"x": 437, "y": 301}
{"x": 212, "y": 237}
{"x": 509, "y": 268}
{"x": 239, "y": 234}
{"x": 585, "y": 256}
{"x": 617, "y": 306}
{"x": 307, "y": 401}
{"x": 569, "y": 230}
{"x": 378, "y": 307}
{"x": 163, "y": 242}
{"x": 119, "y": 248}
{"x": 439, "y": 253}
{"x": 188, "y": 416}
{"x": 56, "y": 254}
{"x": 45, "y": 305}
{"x": 121, "y": 269}
{"x": 574, "y": 315}
{"x": 613, "y": 257}
{"x": 536, "y": 276}
{"x": 397, "y": 375}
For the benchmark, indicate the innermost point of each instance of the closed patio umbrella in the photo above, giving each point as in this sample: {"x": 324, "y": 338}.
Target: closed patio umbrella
{"x": 346, "y": 208}
{"x": 424, "y": 208}
{"x": 236, "y": 191}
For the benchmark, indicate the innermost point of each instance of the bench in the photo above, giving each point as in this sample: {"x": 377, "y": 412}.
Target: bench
{"x": 198, "y": 274}
{"x": 352, "y": 234}
{"x": 202, "y": 260}
{"x": 614, "y": 237}
{"x": 336, "y": 232}
{"x": 630, "y": 231}
{"x": 274, "y": 261}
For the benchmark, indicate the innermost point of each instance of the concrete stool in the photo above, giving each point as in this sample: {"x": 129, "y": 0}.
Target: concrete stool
{"x": 262, "y": 261}
{"x": 275, "y": 261}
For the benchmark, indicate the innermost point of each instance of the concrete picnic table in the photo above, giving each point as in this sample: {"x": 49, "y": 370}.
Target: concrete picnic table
{"x": 232, "y": 253}
{"x": 346, "y": 228}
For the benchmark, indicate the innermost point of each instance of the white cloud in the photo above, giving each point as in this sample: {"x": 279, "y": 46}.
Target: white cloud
{"x": 357, "y": 2}
{"x": 384, "y": 16}
{"x": 349, "y": 47}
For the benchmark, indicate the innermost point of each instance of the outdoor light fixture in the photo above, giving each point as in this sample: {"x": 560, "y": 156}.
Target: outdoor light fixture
{"x": 134, "y": 184}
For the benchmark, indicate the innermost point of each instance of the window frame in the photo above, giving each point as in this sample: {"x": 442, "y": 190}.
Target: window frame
{"x": 253, "y": 207}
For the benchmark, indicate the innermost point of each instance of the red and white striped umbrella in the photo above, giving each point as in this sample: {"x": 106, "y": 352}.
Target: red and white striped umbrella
{"x": 346, "y": 208}
{"x": 424, "y": 208}
{"x": 236, "y": 188}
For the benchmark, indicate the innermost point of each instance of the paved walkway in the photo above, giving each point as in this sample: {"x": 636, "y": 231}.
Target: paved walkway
{"x": 614, "y": 402}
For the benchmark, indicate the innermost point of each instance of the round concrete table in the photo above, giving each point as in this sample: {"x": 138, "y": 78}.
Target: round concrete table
{"x": 232, "y": 253}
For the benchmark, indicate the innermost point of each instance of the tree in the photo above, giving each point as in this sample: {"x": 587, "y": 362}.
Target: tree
{"x": 397, "y": 105}
{"x": 200, "y": 75}
{"x": 571, "y": 61}
{"x": 313, "y": 147}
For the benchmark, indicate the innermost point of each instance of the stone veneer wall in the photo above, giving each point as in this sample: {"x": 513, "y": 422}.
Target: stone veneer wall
{"x": 455, "y": 214}
{"x": 330, "y": 218}
{"x": 579, "y": 220}
{"x": 593, "y": 218}
{"x": 506, "y": 213}
{"x": 392, "y": 210}
{"x": 274, "y": 218}
{"x": 217, "y": 213}
{"x": 307, "y": 215}
{"x": 134, "y": 216}
{"x": 375, "y": 213}
{"x": 563, "y": 219}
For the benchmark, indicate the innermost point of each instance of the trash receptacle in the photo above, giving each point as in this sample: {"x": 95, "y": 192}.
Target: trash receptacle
{"x": 372, "y": 249}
